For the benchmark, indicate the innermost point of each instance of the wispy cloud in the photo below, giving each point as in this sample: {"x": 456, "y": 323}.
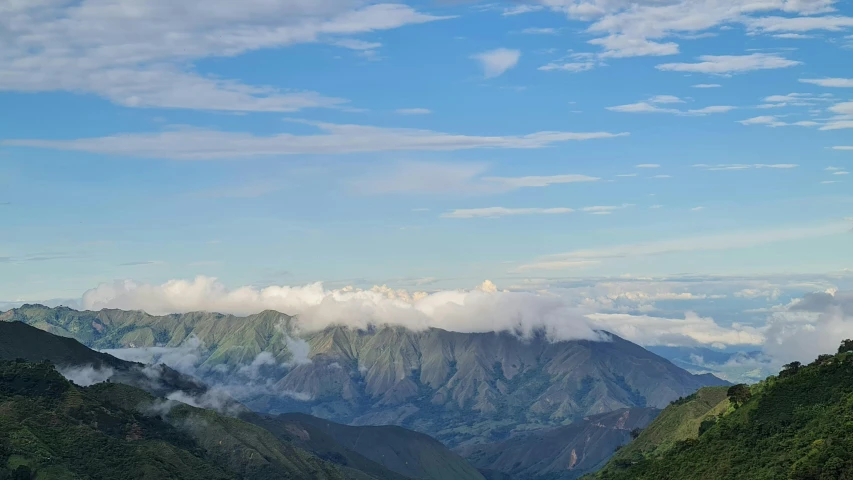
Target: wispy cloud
{"x": 200, "y": 144}
{"x": 741, "y": 166}
{"x": 496, "y": 62}
{"x": 830, "y": 82}
{"x": 730, "y": 64}
{"x": 414, "y": 111}
{"x": 496, "y": 212}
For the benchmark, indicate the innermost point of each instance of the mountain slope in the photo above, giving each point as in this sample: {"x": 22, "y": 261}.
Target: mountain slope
{"x": 54, "y": 429}
{"x": 565, "y": 452}
{"x": 460, "y": 388}
{"x": 414, "y": 455}
{"x": 269, "y": 438}
{"x": 798, "y": 425}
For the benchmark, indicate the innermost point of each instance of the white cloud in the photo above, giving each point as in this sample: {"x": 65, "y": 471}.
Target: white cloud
{"x": 86, "y": 376}
{"x": 661, "y": 176}
{"x": 729, "y": 64}
{"x": 697, "y": 209}
{"x": 354, "y": 44}
{"x": 652, "y": 107}
{"x": 568, "y": 67}
{"x": 139, "y": 53}
{"x": 793, "y": 36}
{"x": 830, "y": 82}
{"x": 665, "y": 99}
{"x": 707, "y": 85}
{"x": 747, "y": 166}
{"x": 496, "y": 62}
{"x": 496, "y": 212}
{"x": 715, "y": 242}
{"x": 605, "y": 209}
{"x": 692, "y": 329}
{"x": 521, "y": 9}
{"x": 477, "y": 310}
{"x": 843, "y": 147}
{"x": 800, "y": 24}
{"x": 773, "y": 121}
{"x": 539, "y": 31}
{"x": 845, "y": 108}
{"x": 811, "y": 326}
{"x": 647, "y": 165}
{"x": 837, "y": 125}
{"x": 841, "y": 173}
{"x": 634, "y": 28}
{"x": 200, "y": 144}
{"x": 414, "y": 111}
{"x": 463, "y": 178}
{"x": 555, "y": 265}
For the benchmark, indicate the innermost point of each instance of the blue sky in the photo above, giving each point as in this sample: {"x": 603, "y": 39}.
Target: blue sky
{"x": 422, "y": 145}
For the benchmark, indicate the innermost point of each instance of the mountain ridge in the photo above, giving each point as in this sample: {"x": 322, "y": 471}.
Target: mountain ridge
{"x": 460, "y": 388}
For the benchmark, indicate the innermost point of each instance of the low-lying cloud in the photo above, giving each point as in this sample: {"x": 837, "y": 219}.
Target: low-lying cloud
{"x": 87, "y": 375}
{"x": 483, "y": 309}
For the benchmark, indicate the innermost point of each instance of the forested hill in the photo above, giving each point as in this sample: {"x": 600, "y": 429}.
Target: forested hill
{"x": 797, "y": 425}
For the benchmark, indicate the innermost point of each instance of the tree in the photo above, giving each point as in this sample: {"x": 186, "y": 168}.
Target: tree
{"x": 846, "y": 346}
{"x": 738, "y": 394}
{"x": 822, "y": 359}
{"x": 636, "y": 432}
{"x": 790, "y": 369}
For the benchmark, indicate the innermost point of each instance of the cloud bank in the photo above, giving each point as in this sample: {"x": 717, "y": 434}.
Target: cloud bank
{"x": 483, "y": 309}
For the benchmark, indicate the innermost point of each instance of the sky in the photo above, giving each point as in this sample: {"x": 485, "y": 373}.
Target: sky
{"x": 426, "y": 145}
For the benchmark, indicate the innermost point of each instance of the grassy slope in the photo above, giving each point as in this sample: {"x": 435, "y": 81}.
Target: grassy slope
{"x": 680, "y": 421}
{"x": 799, "y": 427}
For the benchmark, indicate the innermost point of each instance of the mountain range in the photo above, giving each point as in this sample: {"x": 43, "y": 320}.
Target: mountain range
{"x": 461, "y": 388}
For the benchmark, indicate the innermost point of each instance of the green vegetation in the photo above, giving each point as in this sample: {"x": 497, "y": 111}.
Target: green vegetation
{"x": 797, "y": 426}
{"x": 54, "y": 429}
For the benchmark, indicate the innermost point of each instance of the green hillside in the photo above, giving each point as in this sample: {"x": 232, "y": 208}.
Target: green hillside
{"x": 797, "y": 425}
{"x": 53, "y": 429}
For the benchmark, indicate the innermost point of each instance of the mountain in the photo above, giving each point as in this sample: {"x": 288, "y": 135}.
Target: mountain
{"x": 53, "y": 429}
{"x": 412, "y": 454}
{"x": 461, "y": 388}
{"x": 797, "y": 425}
{"x": 565, "y": 452}
{"x": 241, "y": 434}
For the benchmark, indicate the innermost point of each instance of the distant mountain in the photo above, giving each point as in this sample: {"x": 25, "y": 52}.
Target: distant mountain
{"x": 797, "y": 425}
{"x": 562, "y": 453}
{"x": 461, "y": 388}
{"x": 282, "y": 443}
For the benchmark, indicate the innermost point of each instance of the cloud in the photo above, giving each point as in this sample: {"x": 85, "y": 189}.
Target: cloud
{"x": 843, "y": 147}
{"x": 184, "y": 358}
{"x": 773, "y": 121}
{"x": 793, "y": 36}
{"x": 707, "y": 85}
{"x": 830, "y": 82}
{"x": 463, "y": 178}
{"x": 845, "y": 108}
{"x": 652, "y": 106}
{"x": 605, "y": 209}
{"x": 643, "y": 27}
{"x": 496, "y": 62}
{"x": 648, "y": 165}
{"x": 555, "y": 265}
{"x": 692, "y": 330}
{"x": 140, "y": 53}
{"x": 715, "y": 242}
{"x": 86, "y": 376}
{"x": 811, "y": 326}
{"x": 539, "y": 31}
{"x": 568, "y": 67}
{"x": 477, "y": 310}
{"x": 414, "y": 111}
{"x": 730, "y": 64}
{"x": 200, "y": 144}
{"x": 800, "y": 24}
{"x": 665, "y": 99}
{"x": 521, "y": 9}
{"x": 740, "y": 166}
{"x": 496, "y": 212}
